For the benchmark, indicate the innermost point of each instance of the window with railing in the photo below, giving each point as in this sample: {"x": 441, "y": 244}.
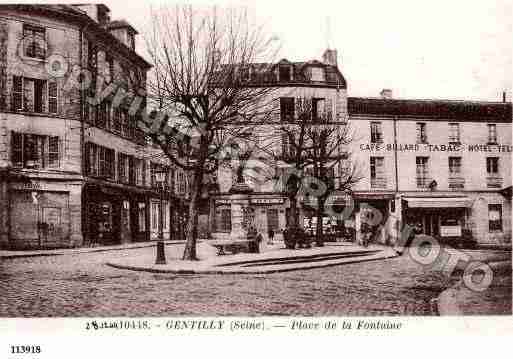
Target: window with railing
{"x": 34, "y": 43}
{"x": 140, "y": 169}
{"x": 100, "y": 161}
{"x": 123, "y": 167}
{"x": 286, "y": 109}
{"x": 421, "y": 132}
{"x": 494, "y": 217}
{"x": 456, "y": 180}
{"x": 287, "y": 145}
{"x": 34, "y": 151}
{"x": 376, "y": 132}
{"x": 422, "y": 171}
{"x": 104, "y": 114}
{"x": 377, "y": 172}
{"x": 34, "y": 95}
{"x": 492, "y": 165}
{"x": 492, "y": 133}
{"x": 454, "y": 133}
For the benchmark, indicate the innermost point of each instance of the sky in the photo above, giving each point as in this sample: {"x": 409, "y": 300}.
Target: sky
{"x": 420, "y": 49}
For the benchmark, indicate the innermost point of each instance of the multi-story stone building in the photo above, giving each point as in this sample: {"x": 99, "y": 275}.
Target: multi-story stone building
{"x": 266, "y": 206}
{"x": 444, "y": 166}
{"x": 75, "y": 169}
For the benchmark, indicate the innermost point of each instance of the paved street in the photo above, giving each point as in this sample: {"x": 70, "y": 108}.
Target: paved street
{"x": 81, "y": 285}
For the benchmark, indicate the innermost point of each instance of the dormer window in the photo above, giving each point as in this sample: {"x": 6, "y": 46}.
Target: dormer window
{"x": 285, "y": 73}
{"x": 317, "y": 74}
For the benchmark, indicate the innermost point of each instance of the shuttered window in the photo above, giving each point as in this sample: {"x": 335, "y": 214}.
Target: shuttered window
{"x": 52, "y": 97}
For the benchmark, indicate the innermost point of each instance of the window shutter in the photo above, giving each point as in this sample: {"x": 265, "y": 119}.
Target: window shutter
{"x": 17, "y": 149}
{"x": 52, "y": 97}
{"x": 17, "y": 93}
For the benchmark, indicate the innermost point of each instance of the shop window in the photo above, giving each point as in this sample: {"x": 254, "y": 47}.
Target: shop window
{"x": 154, "y": 216}
{"x": 34, "y": 151}
{"x": 454, "y": 133}
{"x": 421, "y": 132}
{"x": 272, "y": 220}
{"x": 225, "y": 220}
{"x": 141, "y": 216}
{"x": 494, "y": 217}
{"x": 34, "y": 44}
{"x": 165, "y": 216}
{"x": 492, "y": 165}
{"x": 376, "y": 132}
{"x": 286, "y": 109}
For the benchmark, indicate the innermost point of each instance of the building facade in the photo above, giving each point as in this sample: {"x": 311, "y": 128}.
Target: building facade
{"x": 74, "y": 168}
{"x": 441, "y": 166}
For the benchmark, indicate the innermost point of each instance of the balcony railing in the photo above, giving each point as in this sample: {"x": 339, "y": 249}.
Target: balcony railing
{"x": 378, "y": 182}
{"x": 456, "y": 182}
{"x": 423, "y": 182}
{"x": 494, "y": 182}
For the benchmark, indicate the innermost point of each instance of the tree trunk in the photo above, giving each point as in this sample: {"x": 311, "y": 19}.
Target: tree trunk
{"x": 319, "y": 242}
{"x": 293, "y": 212}
{"x": 192, "y": 221}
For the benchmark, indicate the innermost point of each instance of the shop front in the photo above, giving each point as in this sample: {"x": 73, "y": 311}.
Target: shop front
{"x": 371, "y": 214}
{"x": 444, "y": 217}
{"x": 41, "y": 213}
{"x": 115, "y": 214}
{"x": 264, "y": 213}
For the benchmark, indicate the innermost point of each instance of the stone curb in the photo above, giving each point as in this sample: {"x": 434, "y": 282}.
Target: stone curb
{"x": 71, "y": 251}
{"x": 447, "y": 303}
{"x": 227, "y": 272}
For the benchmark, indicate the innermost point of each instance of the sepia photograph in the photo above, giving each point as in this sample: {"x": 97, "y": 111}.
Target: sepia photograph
{"x": 255, "y": 159}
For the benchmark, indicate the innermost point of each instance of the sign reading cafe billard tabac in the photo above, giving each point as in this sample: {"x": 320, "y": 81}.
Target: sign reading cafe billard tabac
{"x": 420, "y": 147}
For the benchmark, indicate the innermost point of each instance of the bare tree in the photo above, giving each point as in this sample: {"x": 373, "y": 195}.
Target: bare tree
{"x": 199, "y": 90}
{"x": 316, "y": 149}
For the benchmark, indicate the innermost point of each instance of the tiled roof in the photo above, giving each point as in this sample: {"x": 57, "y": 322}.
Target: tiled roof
{"x": 263, "y": 74}
{"x": 430, "y": 109}
{"x": 116, "y": 24}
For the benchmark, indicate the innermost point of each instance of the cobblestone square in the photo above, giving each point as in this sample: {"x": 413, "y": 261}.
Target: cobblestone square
{"x": 81, "y": 285}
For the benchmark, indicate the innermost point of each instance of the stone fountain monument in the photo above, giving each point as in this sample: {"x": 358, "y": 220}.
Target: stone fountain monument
{"x": 239, "y": 198}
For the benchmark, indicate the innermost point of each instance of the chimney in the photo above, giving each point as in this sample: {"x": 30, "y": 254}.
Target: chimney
{"x": 503, "y": 96}
{"x": 330, "y": 57}
{"x": 386, "y": 94}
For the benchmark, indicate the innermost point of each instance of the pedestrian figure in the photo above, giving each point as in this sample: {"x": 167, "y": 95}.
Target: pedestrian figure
{"x": 259, "y": 238}
{"x": 271, "y": 236}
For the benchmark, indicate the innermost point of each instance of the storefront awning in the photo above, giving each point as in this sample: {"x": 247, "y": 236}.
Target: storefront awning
{"x": 434, "y": 202}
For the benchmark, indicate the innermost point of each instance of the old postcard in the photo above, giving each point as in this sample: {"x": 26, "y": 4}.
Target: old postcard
{"x": 254, "y": 167}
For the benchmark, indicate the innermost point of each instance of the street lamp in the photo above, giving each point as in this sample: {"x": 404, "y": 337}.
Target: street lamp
{"x": 160, "y": 178}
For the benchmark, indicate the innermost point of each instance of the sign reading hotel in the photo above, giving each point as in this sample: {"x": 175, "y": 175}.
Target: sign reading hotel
{"x": 450, "y": 147}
